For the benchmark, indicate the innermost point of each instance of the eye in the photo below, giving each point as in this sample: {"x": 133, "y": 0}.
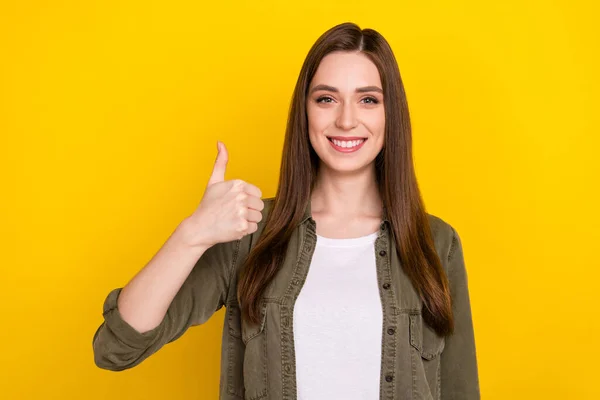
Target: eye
{"x": 372, "y": 100}
{"x": 323, "y": 99}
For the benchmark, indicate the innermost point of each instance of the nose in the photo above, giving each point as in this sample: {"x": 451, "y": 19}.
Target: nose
{"x": 346, "y": 119}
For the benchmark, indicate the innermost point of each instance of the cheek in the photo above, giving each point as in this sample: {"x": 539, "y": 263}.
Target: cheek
{"x": 318, "y": 119}
{"x": 376, "y": 122}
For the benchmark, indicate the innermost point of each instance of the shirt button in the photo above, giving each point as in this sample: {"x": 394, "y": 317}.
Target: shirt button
{"x": 389, "y": 378}
{"x": 382, "y": 253}
{"x": 391, "y": 331}
{"x": 386, "y": 286}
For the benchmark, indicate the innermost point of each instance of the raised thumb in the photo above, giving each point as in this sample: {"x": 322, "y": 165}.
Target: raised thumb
{"x": 218, "y": 173}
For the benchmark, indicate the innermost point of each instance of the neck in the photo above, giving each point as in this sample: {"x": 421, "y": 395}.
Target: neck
{"x": 344, "y": 194}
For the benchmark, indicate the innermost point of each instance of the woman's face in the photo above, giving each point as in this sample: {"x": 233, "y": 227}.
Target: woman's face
{"x": 346, "y": 118}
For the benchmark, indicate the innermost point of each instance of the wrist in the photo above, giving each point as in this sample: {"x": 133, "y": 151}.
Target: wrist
{"x": 191, "y": 234}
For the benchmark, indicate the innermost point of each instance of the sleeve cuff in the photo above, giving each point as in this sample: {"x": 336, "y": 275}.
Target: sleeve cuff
{"x": 121, "y": 329}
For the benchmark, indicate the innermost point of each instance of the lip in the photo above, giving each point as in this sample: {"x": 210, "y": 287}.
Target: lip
{"x": 346, "y": 149}
{"x": 346, "y": 137}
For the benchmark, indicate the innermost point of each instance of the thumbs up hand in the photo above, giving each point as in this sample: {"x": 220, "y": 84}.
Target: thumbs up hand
{"x": 228, "y": 211}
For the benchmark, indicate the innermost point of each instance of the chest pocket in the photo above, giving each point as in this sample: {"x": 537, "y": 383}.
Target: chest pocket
{"x": 247, "y": 357}
{"x": 428, "y": 347}
{"x": 255, "y": 358}
{"x": 424, "y": 339}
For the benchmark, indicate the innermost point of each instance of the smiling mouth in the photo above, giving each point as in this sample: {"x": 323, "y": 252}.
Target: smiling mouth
{"x": 346, "y": 142}
{"x": 346, "y": 145}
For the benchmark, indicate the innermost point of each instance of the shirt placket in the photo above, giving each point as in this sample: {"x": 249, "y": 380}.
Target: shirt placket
{"x": 390, "y": 320}
{"x": 288, "y": 356}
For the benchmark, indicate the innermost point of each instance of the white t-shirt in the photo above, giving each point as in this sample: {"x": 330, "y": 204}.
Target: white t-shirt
{"x": 338, "y": 322}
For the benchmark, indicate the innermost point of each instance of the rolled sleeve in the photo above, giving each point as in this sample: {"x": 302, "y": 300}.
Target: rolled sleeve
{"x": 118, "y": 346}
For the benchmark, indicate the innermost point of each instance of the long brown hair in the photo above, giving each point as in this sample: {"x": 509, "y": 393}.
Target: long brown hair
{"x": 395, "y": 175}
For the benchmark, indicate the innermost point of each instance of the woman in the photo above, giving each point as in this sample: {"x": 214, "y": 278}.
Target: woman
{"x": 341, "y": 286}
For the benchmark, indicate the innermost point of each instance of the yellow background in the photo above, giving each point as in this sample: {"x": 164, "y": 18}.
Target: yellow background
{"x": 110, "y": 112}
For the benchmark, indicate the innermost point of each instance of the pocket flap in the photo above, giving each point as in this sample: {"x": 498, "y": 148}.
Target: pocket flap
{"x": 234, "y": 315}
{"x": 424, "y": 338}
{"x": 250, "y": 331}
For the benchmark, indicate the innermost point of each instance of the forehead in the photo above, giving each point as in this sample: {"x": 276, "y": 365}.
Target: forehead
{"x": 346, "y": 71}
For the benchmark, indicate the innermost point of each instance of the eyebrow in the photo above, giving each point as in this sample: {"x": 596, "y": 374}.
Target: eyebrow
{"x": 336, "y": 90}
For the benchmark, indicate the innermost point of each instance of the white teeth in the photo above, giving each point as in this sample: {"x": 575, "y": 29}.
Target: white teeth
{"x": 347, "y": 143}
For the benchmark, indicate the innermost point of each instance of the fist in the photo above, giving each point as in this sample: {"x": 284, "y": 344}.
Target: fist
{"x": 228, "y": 211}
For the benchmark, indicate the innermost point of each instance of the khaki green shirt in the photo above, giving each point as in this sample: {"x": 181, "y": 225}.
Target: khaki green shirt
{"x": 258, "y": 361}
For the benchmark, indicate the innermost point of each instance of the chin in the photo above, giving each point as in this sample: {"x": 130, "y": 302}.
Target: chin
{"x": 347, "y": 166}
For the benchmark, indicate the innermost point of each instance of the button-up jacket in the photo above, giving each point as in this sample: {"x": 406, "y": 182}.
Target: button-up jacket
{"x": 258, "y": 360}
